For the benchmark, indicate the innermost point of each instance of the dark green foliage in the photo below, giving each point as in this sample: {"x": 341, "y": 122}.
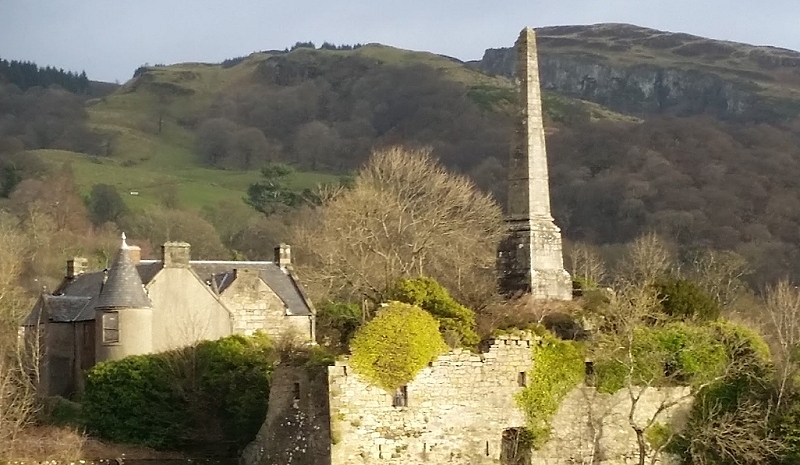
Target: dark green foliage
{"x": 558, "y": 368}
{"x": 456, "y": 322}
{"x": 685, "y": 300}
{"x": 337, "y": 322}
{"x": 26, "y": 74}
{"x": 105, "y": 204}
{"x": 395, "y": 345}
{"x": 59, "y": 411}
{"x": 134, "y": 400}
{"x": 215, "y": 392}
{"x": 271, "y": 195}
{"x": 788, "y": 428}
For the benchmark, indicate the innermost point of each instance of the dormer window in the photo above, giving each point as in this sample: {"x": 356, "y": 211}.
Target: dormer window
{"x": 110, "y": 322}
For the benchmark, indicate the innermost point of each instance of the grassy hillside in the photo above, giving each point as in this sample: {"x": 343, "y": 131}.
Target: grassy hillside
{"x": 150, "y": 122}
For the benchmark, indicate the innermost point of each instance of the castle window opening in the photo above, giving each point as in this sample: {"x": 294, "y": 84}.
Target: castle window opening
{"x": 400, "y": 397}
{"x": 296, "y": 391}
{"x": 110, "y": 328}
{"x": 522, "y": 379}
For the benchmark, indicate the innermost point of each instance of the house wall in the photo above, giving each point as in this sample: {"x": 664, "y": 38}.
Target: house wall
{"x": 256, "y": 307}
{"x": 185, "y": 310}
{"x": 58, "y": 371}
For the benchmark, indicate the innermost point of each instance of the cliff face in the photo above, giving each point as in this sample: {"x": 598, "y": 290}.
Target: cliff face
{"x": 643, "y": 71}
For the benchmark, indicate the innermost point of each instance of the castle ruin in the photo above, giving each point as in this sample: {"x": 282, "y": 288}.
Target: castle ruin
{"x": 530, "y": 258}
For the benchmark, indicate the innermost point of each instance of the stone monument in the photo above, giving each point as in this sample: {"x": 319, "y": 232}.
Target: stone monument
{"x": 530, "y": 257}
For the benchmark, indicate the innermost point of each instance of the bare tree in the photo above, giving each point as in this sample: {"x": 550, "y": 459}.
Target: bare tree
{"x": 647, "y": 260}
{"x": 587, "y": 265}
{"x": 17, "y": 387}
{"x": 782, "y": 304}
{"x": 405, "y": 216}
{"x": 720, "y": 274}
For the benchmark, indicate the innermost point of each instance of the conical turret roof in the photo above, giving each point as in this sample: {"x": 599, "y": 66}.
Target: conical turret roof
{"x": 123, "y": 288}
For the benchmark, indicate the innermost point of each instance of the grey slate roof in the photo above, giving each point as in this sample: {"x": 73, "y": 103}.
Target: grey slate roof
{"x": 220, "y": 273}
{"x": 60, "y": 309}
{"x": 123, "y": 287}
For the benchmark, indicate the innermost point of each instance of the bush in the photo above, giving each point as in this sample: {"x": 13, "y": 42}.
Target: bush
{"x": 456, "y": 322}
{"x": 337, "y": 322}
{"x": 558, "y": 368}
{"x": 685, "y": 300}
{"x": 215, "y": 392}
{"x": 392, "y": 348}
{"x": 674, "y": 354}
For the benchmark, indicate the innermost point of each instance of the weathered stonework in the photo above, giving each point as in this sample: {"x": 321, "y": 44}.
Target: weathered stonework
{"x": 457, "y": 411}
{"x": 254, "y": 306}
{"x": 530, "y": 258}
{"x": 593, "y": 428}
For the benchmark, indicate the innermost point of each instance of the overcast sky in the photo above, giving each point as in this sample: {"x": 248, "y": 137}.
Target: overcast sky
{"x": 109, "y": 39}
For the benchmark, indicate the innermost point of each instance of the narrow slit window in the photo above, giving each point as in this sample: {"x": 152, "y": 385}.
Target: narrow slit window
{"x": 400, "y": 397}
{"x": 296, "y": 391}
{"x": 522, "y": 379}
{"x": 110, "y": 328}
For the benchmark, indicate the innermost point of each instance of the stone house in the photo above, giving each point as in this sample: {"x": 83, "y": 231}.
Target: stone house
{"x": 145, "y": 306}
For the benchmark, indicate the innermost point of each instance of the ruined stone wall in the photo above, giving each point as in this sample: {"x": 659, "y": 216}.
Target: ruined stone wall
{"x": 458, "y": 408}
{"x": 593, "y": 428}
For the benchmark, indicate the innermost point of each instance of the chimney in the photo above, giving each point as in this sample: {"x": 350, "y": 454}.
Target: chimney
{"x": 175, "y": 254}
{"x": 283, "y": 255}
{"x": 135, "y": 254}
{"x": 76, "y": 266}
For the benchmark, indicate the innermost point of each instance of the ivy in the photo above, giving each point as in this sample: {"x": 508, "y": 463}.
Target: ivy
{"x": 394, "y": 346}
{"x": 456, "y": 321}
{"x": 558, "y": 367}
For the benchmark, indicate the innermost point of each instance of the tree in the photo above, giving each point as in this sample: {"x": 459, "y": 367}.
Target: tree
{"x": 271, "y": 195}
{"x": 105, "y": 204}
{"x": 405, "y": 216}
{"x": 783, "y": 322}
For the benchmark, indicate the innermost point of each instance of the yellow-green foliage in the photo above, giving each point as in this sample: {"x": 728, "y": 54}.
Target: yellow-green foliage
{"x": 395, "y": 345}
{"x": 454, "y": 318}
{"x": 674, "y": 354}
{"x": 558, "y": 366}
{"x": 657, "y": 435}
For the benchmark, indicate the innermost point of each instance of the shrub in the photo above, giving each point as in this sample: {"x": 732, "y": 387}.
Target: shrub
{"x": 685, "y": 300}
{"x": 558, "y": 367}
{"x": 455, "y": 320}
{"x": 132, "y": 400}
{"x": 337, "y": 322}
{"x": 674, "y": 354}
{"x": 216, "y": 391}
{"x": 395, "y": 345}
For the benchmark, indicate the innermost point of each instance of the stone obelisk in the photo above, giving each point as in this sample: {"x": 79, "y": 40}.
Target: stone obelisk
{"x": 530, "y": 257}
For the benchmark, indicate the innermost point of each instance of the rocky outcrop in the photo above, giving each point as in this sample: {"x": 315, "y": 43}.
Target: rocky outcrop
{"x": 641, "y": 71}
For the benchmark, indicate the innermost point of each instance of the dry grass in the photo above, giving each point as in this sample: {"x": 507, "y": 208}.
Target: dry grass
{"x": 50, "y": 443}
{"x": 44, "y": 443}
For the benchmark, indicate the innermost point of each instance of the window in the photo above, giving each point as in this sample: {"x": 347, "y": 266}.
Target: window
{"x": 400, "y": 397}
{"x": 110, "y": 328}
{"x": 296, "y": 391}
{"x": 522, "y": 379}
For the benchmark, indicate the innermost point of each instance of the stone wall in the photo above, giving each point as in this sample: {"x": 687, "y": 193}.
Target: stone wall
{"x": 254, "y": 306}
{"x": 458, "y": 408}
{"x": 593, "y": 428}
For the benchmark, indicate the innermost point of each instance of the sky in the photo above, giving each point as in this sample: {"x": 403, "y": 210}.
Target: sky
{"x": 109, "y": 39}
